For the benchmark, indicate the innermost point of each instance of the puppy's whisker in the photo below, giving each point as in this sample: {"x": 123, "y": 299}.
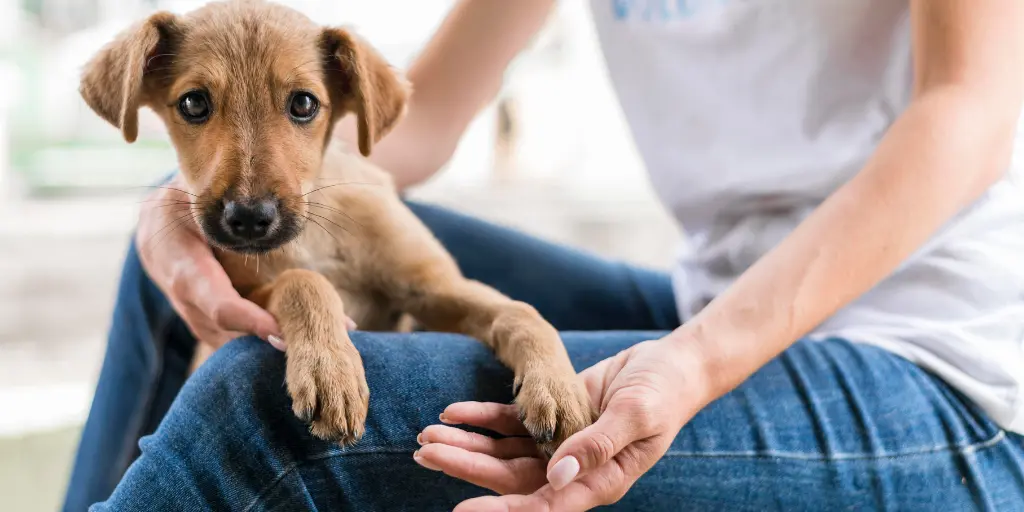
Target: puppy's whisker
{"x": 324, "y": 206}
{"x": 335, "y": 210}
{"x": 181, "y": 203}
{"x": 169, "y": 200}
{"x": 169, "y": 224}
{"x": 331, "y": 221}
{"x": 157, "y": 56}
{"x": 175, "y": 228}
{"x": 323, "y": 228}
{"x": 168, "y": 188}
{"x": 182, "y": 207}
{"x": 190, "y": 204}
{"x": 338, "y": 185}
{"x": 180, "y": 210}
{"x": 177, "y": 223}
{"x": 161, "y": 68}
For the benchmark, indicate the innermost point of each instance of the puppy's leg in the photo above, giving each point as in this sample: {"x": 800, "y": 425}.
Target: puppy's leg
{"x": 551, "y": 398}
{"x": 403, "y": 261}
{"x": 324, "y": 372}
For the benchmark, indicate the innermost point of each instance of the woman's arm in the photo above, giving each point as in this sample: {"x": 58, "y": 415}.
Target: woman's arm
{"x": 458, "y": 73}
{"x": 951, "y": 144}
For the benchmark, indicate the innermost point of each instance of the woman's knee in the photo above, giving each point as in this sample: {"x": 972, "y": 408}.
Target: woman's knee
{"x": 241, "y": 385}
{"x": 412, "y": 378}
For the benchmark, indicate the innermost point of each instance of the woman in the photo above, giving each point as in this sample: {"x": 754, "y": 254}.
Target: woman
{"x": 851, "y": 297}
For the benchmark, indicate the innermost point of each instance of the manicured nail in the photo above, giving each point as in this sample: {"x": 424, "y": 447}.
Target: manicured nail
{"x": 419, "y": 460}
{"x": 445, "y": 420}
{"x": 563, "y": 472}
{"x": 350, "y": 324}
{"x": 419, "y": 439}
{"x": 276, "y": 342}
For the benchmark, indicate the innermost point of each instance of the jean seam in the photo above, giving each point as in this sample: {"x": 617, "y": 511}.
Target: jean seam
{"x": 328, "y": 455}
{"x": 960, "y": 449}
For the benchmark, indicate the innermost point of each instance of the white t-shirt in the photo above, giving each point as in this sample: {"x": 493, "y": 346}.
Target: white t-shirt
{"x": 749, "y": 113}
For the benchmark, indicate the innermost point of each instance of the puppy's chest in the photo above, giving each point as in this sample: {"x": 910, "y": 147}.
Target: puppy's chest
{"x": 364, "y": 303}
{"x": 332, "y": 263}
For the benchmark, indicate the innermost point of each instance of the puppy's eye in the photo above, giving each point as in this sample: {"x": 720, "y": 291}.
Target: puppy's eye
{"x": 194, "y": 107}
{"x": 302, "y": 107}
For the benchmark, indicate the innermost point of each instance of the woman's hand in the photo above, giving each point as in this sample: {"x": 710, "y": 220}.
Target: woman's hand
{"x": 646, "y": 394}
{"x": 182, "y": 265}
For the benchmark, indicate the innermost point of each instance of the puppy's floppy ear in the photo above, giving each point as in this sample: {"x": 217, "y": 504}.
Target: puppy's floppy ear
{"x": 363, "y": 82}
{"x": 114, "y": 83}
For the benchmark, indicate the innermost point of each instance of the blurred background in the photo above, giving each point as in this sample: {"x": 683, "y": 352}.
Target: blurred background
{"x": 551, "y": 155}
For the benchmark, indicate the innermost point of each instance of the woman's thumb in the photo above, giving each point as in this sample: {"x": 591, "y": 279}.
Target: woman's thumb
{"x": 590, "y": 448}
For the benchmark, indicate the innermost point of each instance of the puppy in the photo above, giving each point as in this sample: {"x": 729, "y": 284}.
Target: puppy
{"x": 250, "y": 92}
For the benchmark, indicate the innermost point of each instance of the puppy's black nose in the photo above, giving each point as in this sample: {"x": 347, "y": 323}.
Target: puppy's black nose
{"x": 249, "y": 219}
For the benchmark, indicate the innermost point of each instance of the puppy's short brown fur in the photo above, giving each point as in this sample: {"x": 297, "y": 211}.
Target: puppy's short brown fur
{"x": 240, "y": 66}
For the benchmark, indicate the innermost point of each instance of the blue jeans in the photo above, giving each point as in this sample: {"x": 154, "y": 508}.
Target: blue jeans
{"x": 825, "y": 426}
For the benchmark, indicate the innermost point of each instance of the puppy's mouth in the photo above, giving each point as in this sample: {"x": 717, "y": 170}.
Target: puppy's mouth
{"x": 249, "y": 226}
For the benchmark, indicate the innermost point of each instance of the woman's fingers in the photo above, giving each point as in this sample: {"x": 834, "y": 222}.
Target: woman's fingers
{"x": 500, "y": 418}
{"x": 521, "y": 475}
{"x": 508, "y": 448}
{"x": 202, "y": 327}
{"x": 508, "y": 503}
{"x": 576, "y": 498}
{"x": 607, "y": 484}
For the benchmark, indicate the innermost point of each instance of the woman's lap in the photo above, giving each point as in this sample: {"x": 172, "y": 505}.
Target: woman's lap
{"x": 828, "y": 425}
{"x": 149, "y": 348}
{"x": 865, "y": 426}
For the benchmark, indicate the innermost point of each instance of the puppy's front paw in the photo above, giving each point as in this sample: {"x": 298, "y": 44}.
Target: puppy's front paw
{"x": 328, "y": 389}
{"x": 554, "y": 405}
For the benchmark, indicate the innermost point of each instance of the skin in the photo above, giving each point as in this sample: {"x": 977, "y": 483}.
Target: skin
{"x": 945, "y": 150}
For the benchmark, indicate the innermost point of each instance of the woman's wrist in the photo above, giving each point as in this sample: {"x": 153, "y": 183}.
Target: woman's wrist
{"x": 714, "y": 360}
{"x": 696, "y": 366}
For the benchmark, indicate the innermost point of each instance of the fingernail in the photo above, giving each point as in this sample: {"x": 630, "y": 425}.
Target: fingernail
{"x": 351, "y": 324}
{"x": 419, "y": 460}
{"x": 276, "y": 342}
{"x": 563, "y": 472}
{"x": 419, "y": 439}
{"x": 445, "y": 420}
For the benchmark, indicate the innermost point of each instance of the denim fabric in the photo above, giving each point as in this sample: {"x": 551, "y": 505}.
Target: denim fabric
{"x": 829, "y": 425}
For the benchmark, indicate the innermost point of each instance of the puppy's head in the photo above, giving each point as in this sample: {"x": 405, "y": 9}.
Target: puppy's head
{"x": 249, "y": 92}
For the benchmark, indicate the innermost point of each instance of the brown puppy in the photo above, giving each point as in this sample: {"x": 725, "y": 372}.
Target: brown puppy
{"x": 250, "y": 92}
